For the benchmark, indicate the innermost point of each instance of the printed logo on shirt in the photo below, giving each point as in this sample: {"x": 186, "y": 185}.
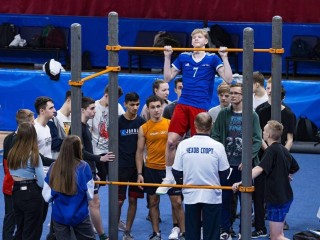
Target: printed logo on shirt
{"x": 187, "y": 65}
{"x": 157, "y": 133}
{"x": 66, "y": 127}
{"x": 47, "y": 141}
{"x": 199, "y": 150}
{"x": 126, "y": 132}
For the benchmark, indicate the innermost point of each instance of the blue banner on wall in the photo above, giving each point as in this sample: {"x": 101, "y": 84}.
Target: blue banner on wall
{"x": 20, "y": 88}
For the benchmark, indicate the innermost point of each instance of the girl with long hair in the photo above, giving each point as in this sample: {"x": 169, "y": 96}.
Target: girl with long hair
{"x": 69, "y": 186}
{"x": 27, "y": 172}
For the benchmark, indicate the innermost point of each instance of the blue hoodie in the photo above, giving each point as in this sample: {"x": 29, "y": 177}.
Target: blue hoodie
{"x": 71, "y": 209}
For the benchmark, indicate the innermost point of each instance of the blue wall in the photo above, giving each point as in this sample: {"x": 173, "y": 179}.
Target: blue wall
{"x": 94, "y": 36}
{"x": 19, "y": 89}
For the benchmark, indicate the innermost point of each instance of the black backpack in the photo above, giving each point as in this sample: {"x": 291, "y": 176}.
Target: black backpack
{"x": 163, "y": 38}
{"x": 7, "y": 33}
{"x": 306, "y": 130}
{"x": 86, "y": 61}
{"x": 300, "y": 48}
{"x": 316, "y": 49}
{"x": 55, "y": 39}
{"x": 220, "y": 37}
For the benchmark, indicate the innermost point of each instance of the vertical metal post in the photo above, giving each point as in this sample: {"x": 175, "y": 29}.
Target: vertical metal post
{"x": 276, "y": 69}
{"x": 113, "y": 60}
{"x": 76, "y": 95}
{"x": 246, "y": 198}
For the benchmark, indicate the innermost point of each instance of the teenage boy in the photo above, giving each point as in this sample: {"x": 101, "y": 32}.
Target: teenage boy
{"x": 198, "y": 70}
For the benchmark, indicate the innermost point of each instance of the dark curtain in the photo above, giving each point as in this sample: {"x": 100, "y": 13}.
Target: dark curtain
{"x": 292, "y": 11}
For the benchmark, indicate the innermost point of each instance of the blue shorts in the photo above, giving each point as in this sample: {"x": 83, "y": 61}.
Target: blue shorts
{"x": 278, "y": 212}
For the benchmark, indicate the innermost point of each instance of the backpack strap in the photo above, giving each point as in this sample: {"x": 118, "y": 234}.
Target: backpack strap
{"x": 309, "y": 128}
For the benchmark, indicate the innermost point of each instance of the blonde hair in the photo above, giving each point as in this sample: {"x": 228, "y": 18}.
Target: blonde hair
{"x": 201, "y": 31}
{"x": 223, "y": 88}
{"x": 275, "y": 129}
{"x": 269, "y": 80}
{"x": 24, "y": 148}
{"x": 24, "y": 115}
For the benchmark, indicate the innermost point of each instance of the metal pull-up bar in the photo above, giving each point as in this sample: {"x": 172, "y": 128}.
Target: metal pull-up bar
{"x": 241, "y": 188}
{"x": 264, "y": 50}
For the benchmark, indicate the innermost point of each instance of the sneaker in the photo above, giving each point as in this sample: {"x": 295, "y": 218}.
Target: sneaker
{"x": 103, "y": 236}
{"x": 285, "y": 226}
{"x": 182, "y": 236}
{"x": 15, "y": 42}
{"x": 225, "y": 236}
{"x": 127, "y": 236}
{"x": 164, "y": 190}
{"x": 51, "y": 236}
{"x": 174, "y": 233}
{"x": 155, "y": 236}
{"x": 232, "y": 232}
{"x": 122, "y": 226}
{"x": 259, "y": 233}
{"x": 149, "y": 219}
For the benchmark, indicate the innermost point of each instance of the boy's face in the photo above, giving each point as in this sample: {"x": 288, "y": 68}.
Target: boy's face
{"x": 49, "y": 111}
{"x": 199, "y": 40}
{"x": 162, "y": 91}
{"x": 236, "y": 95}
{"x": 89, "y": 112}
{"x": 224, "y": 99}
{"x": 178, "y": 89}
{"x": 132, "y": 107}
{"x": 155, "y": 109}
{"x": 266, "y": 132}
{"x": 268, "y": 89}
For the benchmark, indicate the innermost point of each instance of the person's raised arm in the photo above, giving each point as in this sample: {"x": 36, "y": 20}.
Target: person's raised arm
{"x": 168, "y": 72}
{"x": 225, "y": 72}
{"x": 139, "y": 155}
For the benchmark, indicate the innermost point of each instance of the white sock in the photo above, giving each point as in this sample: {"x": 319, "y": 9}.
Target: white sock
{"x": 169, "y": 174}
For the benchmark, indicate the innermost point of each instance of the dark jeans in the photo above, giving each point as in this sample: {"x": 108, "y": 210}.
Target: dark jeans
{"x": 258, "y": 202}
{"x": 227, "y": 196}
{"x": 82, "y": 231}
{"x": 210, "y": 213}
{"x": 9, "y": 221}
{"x": 27, "y": 205}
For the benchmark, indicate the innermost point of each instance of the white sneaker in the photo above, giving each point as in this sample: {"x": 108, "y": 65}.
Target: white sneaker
{"x": 15, "y": 42}
{"x": 225, "y": 236}
{"x": 174, "y": 235}
{"x": 127, "y": 236}
{"x": 164, "y": 190}
{"x": 122, "y": 226}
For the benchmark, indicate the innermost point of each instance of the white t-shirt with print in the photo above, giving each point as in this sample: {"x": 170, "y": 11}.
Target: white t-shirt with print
{"x": 44, "y": 141}
{"x": 201, "y": 158}
{"x": 99, "y": 128}
{"x": 64, "y": 121}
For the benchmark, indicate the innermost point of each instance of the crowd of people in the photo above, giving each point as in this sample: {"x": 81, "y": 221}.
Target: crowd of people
{"x": 186, "y": 141}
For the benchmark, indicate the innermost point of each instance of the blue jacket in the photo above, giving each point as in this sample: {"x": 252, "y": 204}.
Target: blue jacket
{"x": 66, "y": 209}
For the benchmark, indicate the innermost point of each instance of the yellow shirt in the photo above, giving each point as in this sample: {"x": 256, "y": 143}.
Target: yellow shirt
{"x": 156, "y": 134}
